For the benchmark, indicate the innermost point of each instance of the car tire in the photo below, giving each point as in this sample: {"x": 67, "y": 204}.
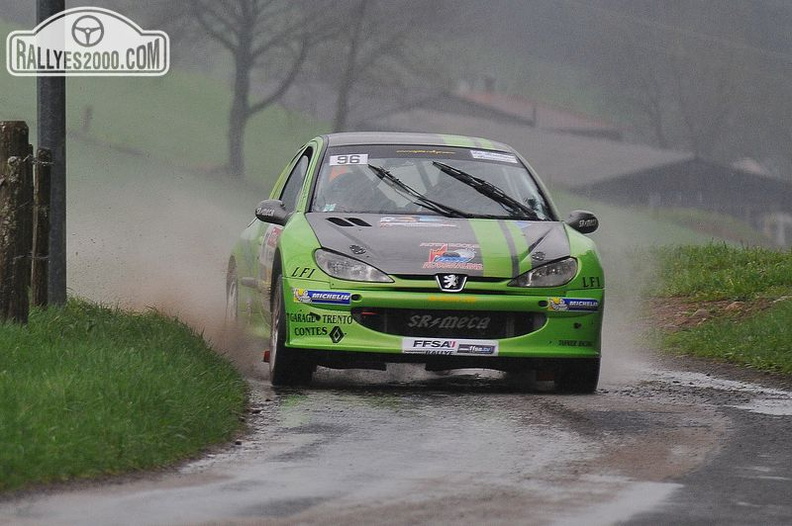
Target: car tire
{"x": 578, "y": 377}
{"x": 288, "y": 367}
{"x": 232, "y": 295}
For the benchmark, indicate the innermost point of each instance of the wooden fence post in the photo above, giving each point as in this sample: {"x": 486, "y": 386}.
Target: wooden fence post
{"x": 16, "y": 196}
{"x": 41, "y": 233}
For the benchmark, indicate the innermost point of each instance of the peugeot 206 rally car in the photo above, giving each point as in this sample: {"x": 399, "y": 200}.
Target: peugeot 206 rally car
{"x": 444, "y": 250}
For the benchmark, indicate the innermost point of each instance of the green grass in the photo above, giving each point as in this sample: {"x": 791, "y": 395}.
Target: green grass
{"x": 87, "y": 391}
{"x": 761, "y": 341}
{"x": 721, "y": 272}
{"x": 758, "y": 337}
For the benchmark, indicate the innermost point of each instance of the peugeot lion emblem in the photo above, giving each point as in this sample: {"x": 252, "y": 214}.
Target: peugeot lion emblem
{"x": 451, "y": 282}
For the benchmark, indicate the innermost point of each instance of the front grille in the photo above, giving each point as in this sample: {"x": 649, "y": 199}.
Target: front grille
{"x": 449, "y": 323}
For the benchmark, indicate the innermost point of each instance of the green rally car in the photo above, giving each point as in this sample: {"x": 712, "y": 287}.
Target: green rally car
{"x": 377, "y": 248}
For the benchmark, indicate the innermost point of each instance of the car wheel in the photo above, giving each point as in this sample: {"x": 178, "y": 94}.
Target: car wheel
{"x": 579, "y": 376}
{"x": 232, "y": 294}
{"x": 287, "y": 366}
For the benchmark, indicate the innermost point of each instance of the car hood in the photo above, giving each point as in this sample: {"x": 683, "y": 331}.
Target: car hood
{"x": 428, "y": 245}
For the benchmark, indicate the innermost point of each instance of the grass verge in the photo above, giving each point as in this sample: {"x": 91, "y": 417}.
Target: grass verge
{"x": 87, "y": 391}
{"x": 727, "y": 303}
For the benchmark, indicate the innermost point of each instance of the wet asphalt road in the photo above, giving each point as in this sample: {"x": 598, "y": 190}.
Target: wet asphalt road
{"x": 654, "y": 446}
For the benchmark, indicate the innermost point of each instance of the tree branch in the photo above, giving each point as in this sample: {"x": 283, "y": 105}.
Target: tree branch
{"x": 212, "y": 32}
{"x": 285, "y": 83}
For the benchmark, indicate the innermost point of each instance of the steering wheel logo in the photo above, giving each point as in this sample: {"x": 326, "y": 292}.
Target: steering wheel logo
{"x": 88, "y": 31}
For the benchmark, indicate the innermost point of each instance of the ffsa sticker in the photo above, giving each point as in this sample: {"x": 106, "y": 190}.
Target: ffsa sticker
{"x": 348, "y": 158}
{"x": 449, "y": 347}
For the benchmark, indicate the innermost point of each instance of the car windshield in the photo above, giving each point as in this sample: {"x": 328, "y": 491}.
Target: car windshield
{"x": 426, "y": 180}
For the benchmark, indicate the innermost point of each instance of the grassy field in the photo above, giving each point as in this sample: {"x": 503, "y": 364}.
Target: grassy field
{"x": 736, "y": 304}
{"x": 87, "y": 391}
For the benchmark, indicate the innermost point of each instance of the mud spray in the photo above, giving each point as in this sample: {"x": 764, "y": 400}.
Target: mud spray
{"x": 161, "y": 241}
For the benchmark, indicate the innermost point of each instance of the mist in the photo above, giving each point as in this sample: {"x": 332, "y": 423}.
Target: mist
{"x": 591, "y": 92}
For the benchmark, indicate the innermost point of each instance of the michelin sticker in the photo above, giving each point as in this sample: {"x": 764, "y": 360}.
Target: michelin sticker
{"x": 449, "y": 347}
{"x": 327, "y": 297}
{"x": 573, "y": 304}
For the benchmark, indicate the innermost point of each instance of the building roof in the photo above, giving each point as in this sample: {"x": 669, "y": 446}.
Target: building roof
{"x": 560, "y": 159}
{"x": 539, "y": 115}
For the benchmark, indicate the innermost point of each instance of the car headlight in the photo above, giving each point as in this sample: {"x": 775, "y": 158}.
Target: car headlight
{"x": 551, "y": 275}
{"x": 343, "y": 267}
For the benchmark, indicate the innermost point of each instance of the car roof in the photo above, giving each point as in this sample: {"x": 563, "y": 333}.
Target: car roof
{"x": 422, "y": 139}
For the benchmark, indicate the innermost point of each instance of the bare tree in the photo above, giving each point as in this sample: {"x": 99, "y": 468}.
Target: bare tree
{"x": 274, "y": 36}
{"x": 642, "y": 82}
{"x": 707, "y": 95}
{"x": 682, "y": 86}
{"x": 382, "y": 52}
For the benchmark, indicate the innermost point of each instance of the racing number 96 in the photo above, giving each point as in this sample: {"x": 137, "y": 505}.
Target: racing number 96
{"x": 349, "y": 158}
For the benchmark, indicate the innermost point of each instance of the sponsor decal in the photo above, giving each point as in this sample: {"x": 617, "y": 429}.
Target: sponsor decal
{"x": 336, "y": 319}
{"x": 348, "y": 158}
{"x": 453, "y": 299}
{"x": 311, "y": 317}
{"x": 415, "y": 222}
{"x": 309, "y": 331}
{"x": 273, "y": 235}
{"x": 328, "y": 297}
{"x": 303, "y": 272}
{"x": 304, "y": 317}
{"x": 451, "y": 256}
{"x": 336, "y": 335}
{"x": 592, "y": 282}
{"x": 575, "y": 343}
{"x": 449, "y": 347}
{"x": 494, "y": 156}
{"x": 431, "y": 321}
{"x": 489, "y": 349}
{"x": 427, "y": 152}
{"x": 87, "y": 41}
{"x": 572, "y": 304}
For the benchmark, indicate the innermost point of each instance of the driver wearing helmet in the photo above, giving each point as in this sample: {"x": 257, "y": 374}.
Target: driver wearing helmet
{"x": 349, "y": 189}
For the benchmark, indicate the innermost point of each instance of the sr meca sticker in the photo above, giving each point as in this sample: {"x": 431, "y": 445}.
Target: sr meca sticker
{"x": 87, "y": 41}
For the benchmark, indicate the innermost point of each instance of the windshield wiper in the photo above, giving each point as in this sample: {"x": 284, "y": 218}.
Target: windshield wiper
{"x": 413, "y": 195}
{"x": 487, "y": 189}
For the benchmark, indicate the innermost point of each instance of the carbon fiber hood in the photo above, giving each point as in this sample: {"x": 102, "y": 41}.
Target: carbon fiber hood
{"x": 428, "y": 245}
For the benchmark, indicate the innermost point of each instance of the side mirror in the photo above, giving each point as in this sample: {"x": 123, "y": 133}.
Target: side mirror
{"x": 583, "y": 221}
{"x": 272, "y": 211}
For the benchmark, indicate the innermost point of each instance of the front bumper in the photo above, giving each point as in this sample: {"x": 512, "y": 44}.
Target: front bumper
{"x": 331, "y": 321}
